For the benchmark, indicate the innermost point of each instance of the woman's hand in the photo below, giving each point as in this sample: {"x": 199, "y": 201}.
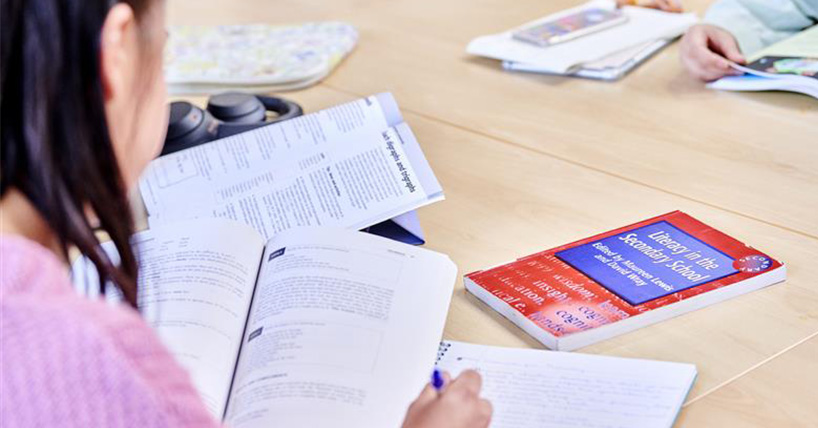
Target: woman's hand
{"x": 705, "y": 52}
{"x": 458, "y": 406}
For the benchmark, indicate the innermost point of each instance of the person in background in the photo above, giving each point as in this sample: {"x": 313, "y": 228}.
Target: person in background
{"x": 735, "y": 28}
{"x": 83, "y": 105}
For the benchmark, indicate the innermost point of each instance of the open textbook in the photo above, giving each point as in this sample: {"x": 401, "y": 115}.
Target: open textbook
{"x": 531, "y": 388}
{"x": 351, "y": 166}
{"x": 312, "y": 328}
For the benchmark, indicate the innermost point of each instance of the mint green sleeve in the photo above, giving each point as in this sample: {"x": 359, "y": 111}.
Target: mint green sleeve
{"x": 759, "y": 23}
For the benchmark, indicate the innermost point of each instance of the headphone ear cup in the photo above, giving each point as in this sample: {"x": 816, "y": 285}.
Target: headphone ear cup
{"x": 237, "y": 107}
{"x": 285, "y": 109}
{"x": 188, "y": 126}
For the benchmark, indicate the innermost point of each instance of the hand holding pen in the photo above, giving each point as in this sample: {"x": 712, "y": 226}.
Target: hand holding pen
{"x": 447, "y": 403}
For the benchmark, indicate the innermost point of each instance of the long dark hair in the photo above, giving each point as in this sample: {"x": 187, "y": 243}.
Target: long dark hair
{"x": 56, "y": 148}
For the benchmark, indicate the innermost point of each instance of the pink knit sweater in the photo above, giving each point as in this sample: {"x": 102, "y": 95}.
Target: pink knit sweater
{"x": 72, "y": 362}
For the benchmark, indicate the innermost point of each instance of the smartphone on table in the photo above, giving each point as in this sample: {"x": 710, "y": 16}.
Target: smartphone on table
{"x": 570, "y": 27}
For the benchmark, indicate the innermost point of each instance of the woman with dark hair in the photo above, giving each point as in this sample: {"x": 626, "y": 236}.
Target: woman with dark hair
{"x": 83, "y": 112}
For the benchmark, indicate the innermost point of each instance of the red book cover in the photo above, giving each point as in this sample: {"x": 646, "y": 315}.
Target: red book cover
{"x": 667, "y": 265}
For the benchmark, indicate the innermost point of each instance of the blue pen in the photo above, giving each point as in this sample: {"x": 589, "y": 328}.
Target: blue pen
{"x": 437, "y": 380}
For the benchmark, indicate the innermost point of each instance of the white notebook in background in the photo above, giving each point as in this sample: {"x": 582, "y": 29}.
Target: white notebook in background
{"x": 611, "y": 67}
{"x": 643, "y": 26}
{"x": 542, "y": 389}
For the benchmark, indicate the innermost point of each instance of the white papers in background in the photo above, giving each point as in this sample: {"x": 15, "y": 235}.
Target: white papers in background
{"x": 754, "y": 80}
{"x": 611, "y": 67}
{"x": 643, "y": 26}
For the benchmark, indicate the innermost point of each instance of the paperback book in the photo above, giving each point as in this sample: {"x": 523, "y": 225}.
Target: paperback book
{"x": 615, "y": 282}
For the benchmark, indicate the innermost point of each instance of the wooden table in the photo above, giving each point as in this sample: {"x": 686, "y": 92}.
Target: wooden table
{"x": 530, "y": 162}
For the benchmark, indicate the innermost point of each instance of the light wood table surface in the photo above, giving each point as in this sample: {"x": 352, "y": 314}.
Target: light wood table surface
{"x": 530, "y": 162}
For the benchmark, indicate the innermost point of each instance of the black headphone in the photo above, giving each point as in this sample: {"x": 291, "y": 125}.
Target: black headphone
{"x": 227, "y": 114}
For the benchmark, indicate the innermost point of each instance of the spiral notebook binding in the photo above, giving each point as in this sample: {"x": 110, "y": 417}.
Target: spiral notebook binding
{"x": 441, "y": 350}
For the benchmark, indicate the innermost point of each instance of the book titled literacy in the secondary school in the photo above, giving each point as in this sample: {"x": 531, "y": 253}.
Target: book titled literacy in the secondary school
{"x": 624, "y": 279}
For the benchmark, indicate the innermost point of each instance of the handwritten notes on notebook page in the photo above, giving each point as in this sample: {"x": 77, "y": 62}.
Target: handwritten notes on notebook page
{"x": 536, "y": 388}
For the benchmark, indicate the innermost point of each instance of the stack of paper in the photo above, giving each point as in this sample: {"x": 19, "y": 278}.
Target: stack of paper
{"x": 201, "y": 59}
{"x": 611, "y": 67}
{"x": 644, "y": 26}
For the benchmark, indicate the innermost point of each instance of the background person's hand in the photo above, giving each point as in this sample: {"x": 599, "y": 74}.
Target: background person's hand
{"x": 674, "y": 6}
{"x": 458, "y": 406}
{"x": 706, "y": 49}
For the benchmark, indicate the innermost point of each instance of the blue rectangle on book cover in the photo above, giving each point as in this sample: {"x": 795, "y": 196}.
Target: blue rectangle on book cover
{"x": 649, "y": 262}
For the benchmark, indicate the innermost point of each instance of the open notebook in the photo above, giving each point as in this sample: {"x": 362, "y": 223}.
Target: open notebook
{"x": 315, "y": 327}
{"x": 548, "y": 389}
